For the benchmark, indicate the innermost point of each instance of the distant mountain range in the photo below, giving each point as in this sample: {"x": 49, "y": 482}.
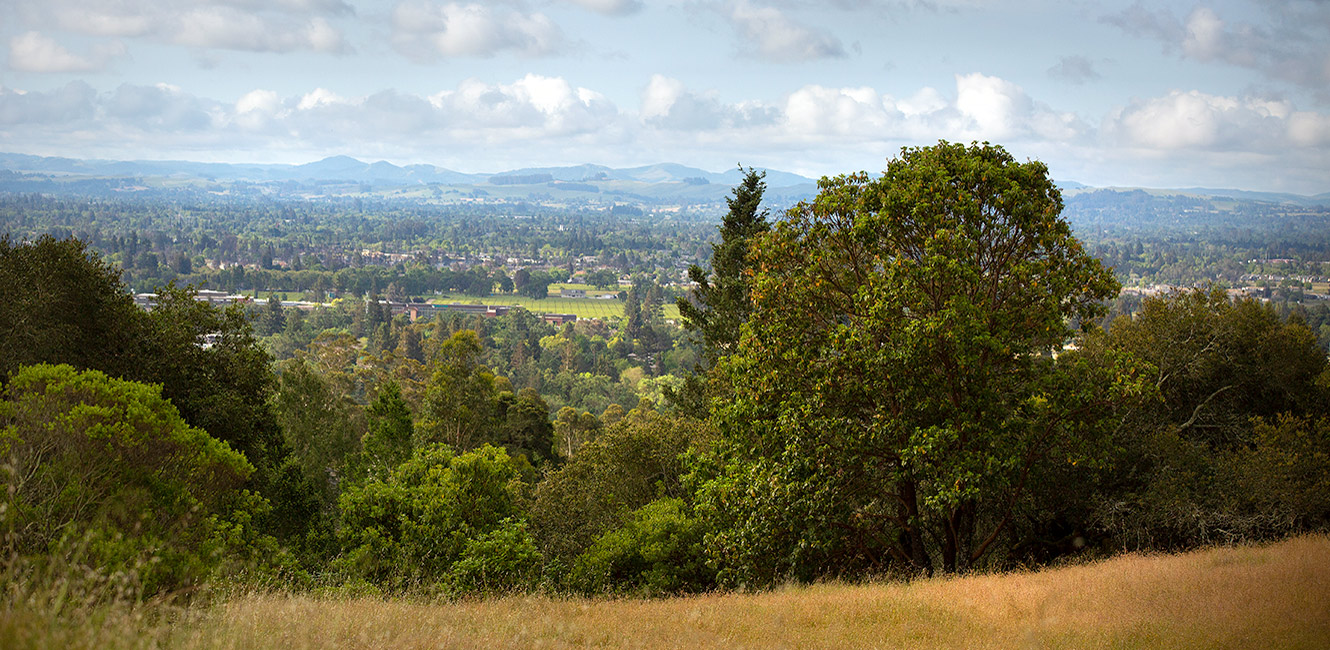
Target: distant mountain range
{"x": 663, "y": 183}
{"x": 346, "y": 168}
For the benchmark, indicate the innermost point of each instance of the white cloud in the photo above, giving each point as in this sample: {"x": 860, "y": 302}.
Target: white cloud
{"x": 660, "y": 96}
{"x": 984, "y": 108}
{"x": 533, "y": 106}
{"x": 319, "y": 97}
{"x": 245, "y": 25}
{"x": 1182, "y": 137}
{"x": 668, "y": 104}
{"x": 161, "y": 108}
{"x": 73, "y": 103}
{"x": 776, "y": 37}
{"x": 1204, "y": 38}
{"x": 1199, "y": 121}
{"x": 1306, "y": 129}
{"x": 923, "y": 101}
{"x": 256, "y": 109}
{"x": 425, "y": 30}
{"x": 997, "y": 108}
{"x": 122, "y": 20}
{"x": 258, "y": 101}
{"x": 838, "y": 111}
{"x": 312, "y": 7}
{"x": 229, "y": 29}
{"x": 36, "y": 52}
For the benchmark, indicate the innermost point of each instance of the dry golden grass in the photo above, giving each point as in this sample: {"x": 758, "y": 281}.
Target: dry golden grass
{"x": 1275, "y": 596}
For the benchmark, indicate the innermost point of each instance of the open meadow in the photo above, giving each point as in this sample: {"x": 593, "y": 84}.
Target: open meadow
{"x": 582, "y": 307}
{"x": 1273, "y": 596}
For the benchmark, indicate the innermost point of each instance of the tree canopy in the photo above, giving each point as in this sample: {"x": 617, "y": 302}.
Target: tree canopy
{"x": 93, "y": 458}
{"x": 892, "y": 389}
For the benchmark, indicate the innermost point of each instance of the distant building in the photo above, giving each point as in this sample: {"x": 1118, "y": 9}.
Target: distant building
{"x": 218, "y": 298}
{"x": 559, "y": 319}
{"x": 572, "y": 293}
{"x": 426, "y": 310}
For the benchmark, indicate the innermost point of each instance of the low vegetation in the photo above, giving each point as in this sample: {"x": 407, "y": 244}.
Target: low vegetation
{"x": 1274, "y": 596}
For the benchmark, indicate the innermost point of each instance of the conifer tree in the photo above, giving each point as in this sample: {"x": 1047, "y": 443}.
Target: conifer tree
{"x": 720, "y": 304}
{"x": 721, "y": 300}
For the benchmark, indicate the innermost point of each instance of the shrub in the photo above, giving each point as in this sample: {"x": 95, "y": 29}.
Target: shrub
{"x": 636, "y": 461}
{"x": 108, "y": 466}
{"x": 658, "y": 551}
{"x": 503, "y": 560}
{"x": 407, "y": 531}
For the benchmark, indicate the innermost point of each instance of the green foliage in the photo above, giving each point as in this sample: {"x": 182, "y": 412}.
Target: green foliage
{"x": 387, "y": 444}
{"x": 273, "y": 319}
{"x": 722, "y": 300}
{"x": 573, "y": 429}
{"x": 633, "y": 462}
{"x": 890, "y": 394}
{"x": 1219, "y": 362}
{"x": 602, "y": 279}
{"x": 63, "y": 304}
{"x": 321, "y": 424}
{"x": 408, "y": 530}
{"x": 1273, "y": 486}
{"x": 1281, "y": 482}
{"x": 460, "y": 405}
{"x": 1194, "y": 466}
{"x": 111, "y": 465}
{"x": 527, "y": 430}
{"x": 213, "y": 370}
{"x": 658, "y": 551}
{"x": 503, "y": 560}
{"x": 534, "y": 285}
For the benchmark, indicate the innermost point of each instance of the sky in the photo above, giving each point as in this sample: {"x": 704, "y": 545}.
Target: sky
{"x": 1231, "y": 94}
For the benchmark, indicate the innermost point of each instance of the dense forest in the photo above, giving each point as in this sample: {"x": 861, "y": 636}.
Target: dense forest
{"x": 931, "y": 371}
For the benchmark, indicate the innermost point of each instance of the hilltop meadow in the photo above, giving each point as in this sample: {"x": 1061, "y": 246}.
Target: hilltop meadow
{"x": 1272, "y": 596}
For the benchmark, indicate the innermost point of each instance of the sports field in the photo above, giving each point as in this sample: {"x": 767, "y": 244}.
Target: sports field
{"x": 582, "y": 307}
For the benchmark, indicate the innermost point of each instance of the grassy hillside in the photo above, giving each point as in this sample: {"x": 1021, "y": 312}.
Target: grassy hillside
{"x": 1275, "y": 596}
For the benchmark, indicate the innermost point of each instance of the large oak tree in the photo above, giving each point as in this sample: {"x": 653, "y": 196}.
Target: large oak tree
{"x": 894, "y": 387}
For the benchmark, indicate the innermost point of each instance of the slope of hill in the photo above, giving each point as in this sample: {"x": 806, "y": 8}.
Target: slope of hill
{"x": 1275, "y": 596}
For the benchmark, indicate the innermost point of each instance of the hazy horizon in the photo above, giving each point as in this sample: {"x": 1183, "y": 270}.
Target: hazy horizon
{"x": 1231, "y": 94}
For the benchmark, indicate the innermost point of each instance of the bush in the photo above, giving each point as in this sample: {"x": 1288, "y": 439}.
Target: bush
{"x": 636, "y": 460}
{"x": 504, "y": 560}
{"x": 408, "y": 530}
{"x": 658, "y": 551}
{"x": 109, "y": 466}
{"x": 1277, "y": 485}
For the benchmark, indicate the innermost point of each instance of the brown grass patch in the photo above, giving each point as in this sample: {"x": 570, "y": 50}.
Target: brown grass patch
{"x": 1249, "y": 597}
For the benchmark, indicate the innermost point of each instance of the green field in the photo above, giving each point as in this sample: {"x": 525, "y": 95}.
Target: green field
{"x": 582, "y": 307}
{"x": 590, "y": 290}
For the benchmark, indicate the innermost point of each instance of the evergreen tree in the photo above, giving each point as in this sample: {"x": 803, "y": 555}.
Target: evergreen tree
{"x": 632, "y": 311}
{"x": 720, "y": 304}
{"x": 409, "y": 345}
{"x": 273, "y": 320}
{"x": 721, "y": 301}
{"x": 387, "y": 443}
